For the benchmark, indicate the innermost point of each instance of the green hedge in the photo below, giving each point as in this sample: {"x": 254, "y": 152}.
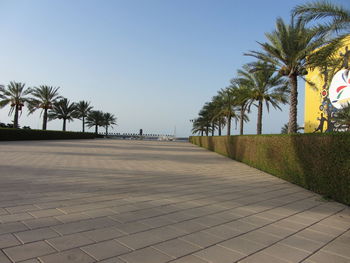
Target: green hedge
{"x": 319, "y": 162}
{"x": 23, "y": 134}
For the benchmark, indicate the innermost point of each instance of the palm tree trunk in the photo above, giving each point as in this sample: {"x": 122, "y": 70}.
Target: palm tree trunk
{"x": 64, "y": 125}
{"x": 229, "y": 126}
{"x": 219, "y": 129}
{"x": 15, "y": 120}
{"x": 83, "y": 124}
{"x": 260, "y": 113}
{"x": 241, "y": 121}
{"x": 212, "y": 129}
{"x": 106, "y": 130}
{"x": 207, "y": 130}
{"x": 96, "y": 129}
{"x": 45, "y": 119}
{"x": 292, "y": 125}
{"x": 201, "y": 132}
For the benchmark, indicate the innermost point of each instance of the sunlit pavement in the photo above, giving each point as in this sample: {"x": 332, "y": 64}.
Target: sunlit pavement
{"x": 153, "y": 202}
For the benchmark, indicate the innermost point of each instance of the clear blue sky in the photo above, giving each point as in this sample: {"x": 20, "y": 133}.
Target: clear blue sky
{"x": 152, "y": 63}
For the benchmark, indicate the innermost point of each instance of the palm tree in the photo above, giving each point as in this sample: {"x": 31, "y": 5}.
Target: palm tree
{"x": 108, "y": 120}
{"x": 339, "y": 17}
{"x": 15, "y": 96}
{"x": 265, "y": 87}
{"x": 95, "y": 118}
{"x": 336, "y": 25}
{"x": 243, "y": 96}
{"x": 43, "y": 98}
{"x": 201, "y": 126}
{"x": 218, "y": 118}
{"x": 82, "y": 110}
{"x": 342, "y": 117}
{"x": 287, "y": 49}
{"x": 63, "y": 110}
{"x": 228, "y": 107}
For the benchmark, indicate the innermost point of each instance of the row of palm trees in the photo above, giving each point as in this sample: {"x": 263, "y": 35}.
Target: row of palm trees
{"x": 287, "y": 55}
{"x": 52, "y": 105}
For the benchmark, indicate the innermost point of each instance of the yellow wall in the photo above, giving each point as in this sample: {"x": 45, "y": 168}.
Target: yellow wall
{"x": 314, "y": 98}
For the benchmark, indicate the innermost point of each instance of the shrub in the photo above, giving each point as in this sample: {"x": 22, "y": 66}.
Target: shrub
{"x": 319, "y": 162}
{"x": 26, "y": 134}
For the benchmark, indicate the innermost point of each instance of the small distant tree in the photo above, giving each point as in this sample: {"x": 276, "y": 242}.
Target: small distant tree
{"x": 82, "y": 110}
{"x": 62, "y": 110}
{"x": 95, "y": 119}
{"x": 109, "y": 120}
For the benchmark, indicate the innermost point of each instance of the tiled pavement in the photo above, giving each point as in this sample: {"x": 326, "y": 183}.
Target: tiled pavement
{"x": 153, "y": 202}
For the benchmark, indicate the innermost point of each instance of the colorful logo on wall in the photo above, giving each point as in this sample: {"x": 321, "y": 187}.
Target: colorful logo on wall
{"x": 339, "y": 91}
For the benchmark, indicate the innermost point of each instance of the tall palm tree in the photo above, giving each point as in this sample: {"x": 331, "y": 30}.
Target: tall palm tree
{"x": 265, "y": 87}
{"x": 288, "y": 48}
{"x": 15, "y": 96}
{"x": 62, "y": 110}
{"x": 43, "y": 98}
{"x": 95, "y": 118}
{"x": 108, "y": 120}
{"x": 337, "y": 18}
{"x": 336, "y": 24}
{"x": 82, "y": 110}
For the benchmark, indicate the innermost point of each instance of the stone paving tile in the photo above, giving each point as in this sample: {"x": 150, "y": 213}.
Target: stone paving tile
{"x": 36, "y": 235}
{"x": 325, "y": 257}
{"x": 69, "y": 241}
{"x": 202, "y": 239}
{"x": 262, "y": 257}
{"x": 14, "y": 217}
{"x": 146, "y": 255}
{"x": 41, "y": 222}
{"x": 103, "y": 234}
{"x": 106, "y": 249}
{"x": 241, "y": 245}
{"x": 112, "y": 260}
{"x": 177, "y": 248}
{"x": 69, "y": 256}
{"x": 3, "y": 258}
{"x": 28, "y": 251}
{"x": 286, "y": 253}
{"x": 219, "y": 254}
{"x": 46, "y": 213}
{"x": 168, "y": 201}
{"x": 8, "y": 240}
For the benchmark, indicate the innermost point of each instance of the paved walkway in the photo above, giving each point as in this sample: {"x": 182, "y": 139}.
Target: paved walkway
{"x": 154, "y": 202}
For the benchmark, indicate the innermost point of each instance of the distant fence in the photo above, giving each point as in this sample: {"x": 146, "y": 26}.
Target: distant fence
{"x": 135, "y": 136}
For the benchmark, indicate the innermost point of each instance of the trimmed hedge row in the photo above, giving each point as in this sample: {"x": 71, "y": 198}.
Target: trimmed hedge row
{"x": 23, "y": 134}
{"x": 318, "y": 162}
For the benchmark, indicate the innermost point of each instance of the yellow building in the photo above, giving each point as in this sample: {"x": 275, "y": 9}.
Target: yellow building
{"x": 322, "y": 101}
